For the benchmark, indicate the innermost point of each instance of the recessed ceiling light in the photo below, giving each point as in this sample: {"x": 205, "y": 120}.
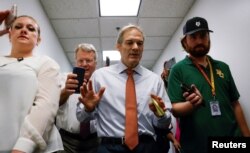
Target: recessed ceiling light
{"x": 119, "y": 7}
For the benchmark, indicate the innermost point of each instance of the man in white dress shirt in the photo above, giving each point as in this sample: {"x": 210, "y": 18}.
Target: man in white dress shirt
{"x": 105, "y": 100}
{"x": 86, "y": 57}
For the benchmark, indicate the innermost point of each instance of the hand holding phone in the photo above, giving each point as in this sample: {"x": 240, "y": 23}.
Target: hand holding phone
{"x": 80, "y": 77}
{"x": 11, "y": 17}
{"x": 189, "y": 89}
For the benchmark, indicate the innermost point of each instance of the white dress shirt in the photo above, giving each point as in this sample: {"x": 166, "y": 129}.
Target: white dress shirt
{"x": 110, "y": 112}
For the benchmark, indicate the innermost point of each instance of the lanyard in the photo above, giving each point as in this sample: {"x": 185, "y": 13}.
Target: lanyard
{"x": 211, "y": 80}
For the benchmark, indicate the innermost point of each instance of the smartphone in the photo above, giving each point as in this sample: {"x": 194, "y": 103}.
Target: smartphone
{"x": 186, "y": 88}
{"x": 11, "y": 17}
{"x": 159, "y": 110}
{"x": 80, "y": 77}
{"x": 190, "y": 90}
{"x": 165, "y": 65}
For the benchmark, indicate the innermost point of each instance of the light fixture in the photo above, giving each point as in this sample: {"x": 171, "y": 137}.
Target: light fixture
{"x": 119, "y": 7}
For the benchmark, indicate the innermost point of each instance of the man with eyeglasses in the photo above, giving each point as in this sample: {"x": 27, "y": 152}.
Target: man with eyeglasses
{"x": 73, "y": 140}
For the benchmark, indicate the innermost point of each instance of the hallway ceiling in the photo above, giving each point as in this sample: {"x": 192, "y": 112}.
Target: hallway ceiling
{"x": 78, "y": 21}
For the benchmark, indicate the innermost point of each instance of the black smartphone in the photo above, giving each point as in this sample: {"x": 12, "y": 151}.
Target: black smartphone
{"x": 189, "y": 89}
{"x": 80, "y": 77}
{"x": 186, "y": 88}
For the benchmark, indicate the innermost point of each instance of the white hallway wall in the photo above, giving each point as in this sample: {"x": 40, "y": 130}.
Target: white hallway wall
{"x": 49, "y": 45}
{"x": 229, "y": 19}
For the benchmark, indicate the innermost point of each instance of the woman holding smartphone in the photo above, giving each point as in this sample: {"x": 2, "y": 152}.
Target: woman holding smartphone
{"x": 29, "y": 92}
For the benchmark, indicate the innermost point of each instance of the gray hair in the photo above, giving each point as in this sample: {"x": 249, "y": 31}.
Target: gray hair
{"x": 88, "y": 48}
{"x": 125, "y": 29}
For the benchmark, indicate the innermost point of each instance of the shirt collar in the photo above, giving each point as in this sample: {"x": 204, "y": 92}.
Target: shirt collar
{"x": 188, "y": 60}
{"x": 122, "y": 68}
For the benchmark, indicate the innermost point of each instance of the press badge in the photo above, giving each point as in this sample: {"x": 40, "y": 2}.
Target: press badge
{"x": 215, "y": 108}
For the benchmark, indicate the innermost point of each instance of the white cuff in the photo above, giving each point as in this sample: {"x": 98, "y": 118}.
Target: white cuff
{"x": 25, "y": 145}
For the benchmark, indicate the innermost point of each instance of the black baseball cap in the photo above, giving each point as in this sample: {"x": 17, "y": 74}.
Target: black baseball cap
{"x": 195, "y": 24}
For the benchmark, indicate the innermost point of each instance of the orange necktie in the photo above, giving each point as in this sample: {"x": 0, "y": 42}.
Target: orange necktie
{"x": 131, "y": 122}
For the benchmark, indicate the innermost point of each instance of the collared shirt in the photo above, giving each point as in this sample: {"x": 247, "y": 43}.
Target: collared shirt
{"x": 110, "y": 112}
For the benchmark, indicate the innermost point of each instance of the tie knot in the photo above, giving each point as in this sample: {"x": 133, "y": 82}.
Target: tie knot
{"x": 130, "y": 72}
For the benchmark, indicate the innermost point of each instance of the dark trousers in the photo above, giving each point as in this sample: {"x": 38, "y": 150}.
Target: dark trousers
{"x": 163, "y": 144}
{"x": 73, "y": 143}
{"x": 144, "y": 146}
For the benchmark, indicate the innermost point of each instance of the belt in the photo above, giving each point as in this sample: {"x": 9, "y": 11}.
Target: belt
{"x": 76, "y": 135}
{"x": 121, "y": 140}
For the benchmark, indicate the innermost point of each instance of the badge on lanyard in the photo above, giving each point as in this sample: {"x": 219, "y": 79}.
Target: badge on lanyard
{"x": 215, "y": 108}
{"x": 214, "y": 104}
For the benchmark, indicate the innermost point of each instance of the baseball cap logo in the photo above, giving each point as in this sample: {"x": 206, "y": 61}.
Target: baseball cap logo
{"x": 198, "y": 23}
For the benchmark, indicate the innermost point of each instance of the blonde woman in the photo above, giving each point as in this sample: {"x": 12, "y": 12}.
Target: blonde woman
{"x": 29, "y": 92}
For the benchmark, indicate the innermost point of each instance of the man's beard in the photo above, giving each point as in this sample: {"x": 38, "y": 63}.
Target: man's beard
{"x": 199, "y": 50}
